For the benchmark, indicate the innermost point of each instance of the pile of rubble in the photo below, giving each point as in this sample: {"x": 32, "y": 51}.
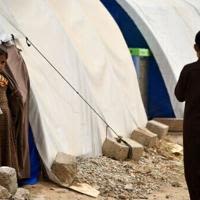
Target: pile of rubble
{"x": 129, "y": 179}
{"x": 9, "y": 187}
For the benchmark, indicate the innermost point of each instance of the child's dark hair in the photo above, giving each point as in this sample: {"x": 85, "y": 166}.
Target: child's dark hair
{"x": 197, "y": 39}
{"x": 3, "y": 51}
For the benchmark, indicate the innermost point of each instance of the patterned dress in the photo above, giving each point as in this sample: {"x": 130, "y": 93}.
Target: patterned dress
{"x": 8, "y": 153}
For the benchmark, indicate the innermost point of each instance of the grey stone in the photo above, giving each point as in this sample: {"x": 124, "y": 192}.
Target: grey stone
{"x": 8, "y": 179}
{"x": 158, "y": 128}
{"x": 4, "y": 194}
{"x": 137, "y": 149}
{"x": 114, "y": 149}
{"x": 144, "y": 137}
{"x": 21, "y": 194}
{"x": 65, "y": 168}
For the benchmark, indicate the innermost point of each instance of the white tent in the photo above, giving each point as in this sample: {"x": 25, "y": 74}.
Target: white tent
{"x": 169, "y": 28}
{"x": 82, "y": 41}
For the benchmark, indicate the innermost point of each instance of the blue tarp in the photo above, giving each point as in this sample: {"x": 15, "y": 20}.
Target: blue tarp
{"x": 34, "y": 162}
{"x": 159, "y": 104}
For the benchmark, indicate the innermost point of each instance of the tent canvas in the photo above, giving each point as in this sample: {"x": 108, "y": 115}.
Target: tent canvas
{"x": 93, "y": 59}
{"x": 161, "y": 23}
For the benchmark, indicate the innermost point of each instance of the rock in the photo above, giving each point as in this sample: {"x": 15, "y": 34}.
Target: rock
{"x": 176, "y": 184}
{"x": 4, "y": 194}
{"x": 144, "y": 137}
{"x": 122, "y": 196}
{"x": 176, "y": 149}
{"x": 21, "y": 194}
{"x": 113, "y": 149}
{"x": 65, "y": 168}
{"x": 158, "y": 128}
{"x": 128, "y": 187}
{"x": 8, "y": 179}
{"x": 137, "y": 149}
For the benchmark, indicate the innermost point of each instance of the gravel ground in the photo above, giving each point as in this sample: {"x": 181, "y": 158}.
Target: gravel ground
{"x": 131, "y": 180}
{"x": 157, "y": 176}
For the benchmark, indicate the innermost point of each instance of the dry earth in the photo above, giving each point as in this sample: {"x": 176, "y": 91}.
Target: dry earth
{"x": 157, "y": 176}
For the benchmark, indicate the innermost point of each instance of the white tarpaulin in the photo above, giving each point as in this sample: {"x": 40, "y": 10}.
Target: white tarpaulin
{"x": 83, "y": 42}
{"x": 169, "y": 28}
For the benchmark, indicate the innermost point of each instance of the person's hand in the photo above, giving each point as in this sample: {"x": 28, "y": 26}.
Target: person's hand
{"x": 3, "y": 81}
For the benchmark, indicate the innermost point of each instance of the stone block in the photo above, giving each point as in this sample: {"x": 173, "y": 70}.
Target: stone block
{"x": 65, "y": 168}
{"x": 21, "y": 194}
{"x": 175, "y": 124}
{"x": 137, "y": 149}
{"x": 144, "y": 137}
{"x": 158, "y": 128}
{"x": 4, "y": 194}
{"x": 8, "y": 179}
{"x": 113, "y": 149}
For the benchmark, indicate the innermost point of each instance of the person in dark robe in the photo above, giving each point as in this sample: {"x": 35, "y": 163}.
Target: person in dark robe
{"x": 17, "y": 94}
{"x": 17, "y": 74}
{"x": 8, "y": 148}
{"x": 188, "y": 90}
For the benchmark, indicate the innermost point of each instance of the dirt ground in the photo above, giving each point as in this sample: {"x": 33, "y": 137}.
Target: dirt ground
{"x": 159, "y": 176}
{"x": 50, "y": 191}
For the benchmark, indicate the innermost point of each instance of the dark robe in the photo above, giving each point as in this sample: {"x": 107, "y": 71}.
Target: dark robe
{"x": 188, "y": 90}
{"x": 18, "y": 98}
{"x": 8, "y": 148}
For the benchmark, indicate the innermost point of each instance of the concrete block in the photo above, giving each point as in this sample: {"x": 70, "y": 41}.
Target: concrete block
{"x": 21, "y": 194}
{"x": 137, "y": 149}
{"x": 4, "y": 194}
{"x": 113, "y": 149}
{"x": 158, "y": 128}
{"x": 65, "y": 168}
{"x": 144, "y": 137}
{"x": 175, "y": 124}
{"x": 8, "y": 179}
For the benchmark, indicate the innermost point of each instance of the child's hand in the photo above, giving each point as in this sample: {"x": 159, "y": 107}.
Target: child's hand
{"x": 3, "y": 81}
